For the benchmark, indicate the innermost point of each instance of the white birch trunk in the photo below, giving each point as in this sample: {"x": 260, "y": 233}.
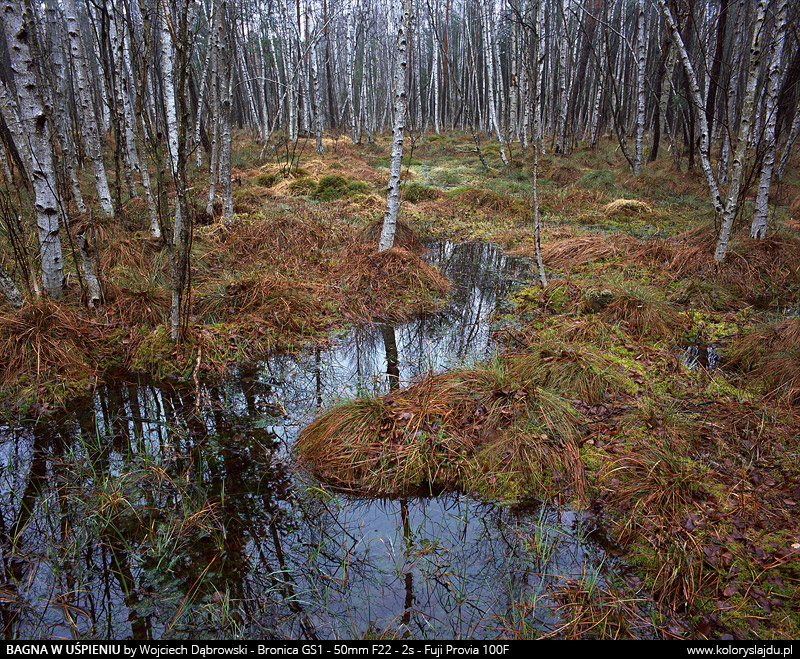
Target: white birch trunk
{"x": 61, "y": 110}
{"x": 94, "y": 294}
{"x": 350, "y": 71}
{"x": 168, "y": 74}
{"x": 203, "y": 85}
{"x": 317, "y": 99}
{"x": 10, "y": 290}
{"x": 539, "y": 82}
{"x": 490, "y": 48}
{"x": 787, "y": 148}
{"x": 745, "y": 121}
{"x": 225, "y": 107}
{"x": 563, "y": 43}
{"x": 716, "y": 198}
{"x": 88, "y": 120}
{"x": 641, "y": 61}
{"x": 598, "y": 96}
{"x": 400, "y": 102}
{"x": 758, "y": 228}
{"x": 538, "y": 49}
{"x": 34, "y": 144}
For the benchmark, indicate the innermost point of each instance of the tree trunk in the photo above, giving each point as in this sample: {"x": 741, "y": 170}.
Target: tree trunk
{"x": 641, "y": 62}
{"x": 88, "y": 119}
{"x": 758, "y": 228}
{"x": 400, "y": 102}
{"x": 94, "y": 293}
{"x": 35, "y": 148}
{"x": 10, "y": 290}
{"x": 737, "y": 167}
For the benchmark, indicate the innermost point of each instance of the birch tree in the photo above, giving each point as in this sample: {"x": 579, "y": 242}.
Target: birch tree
{"x": 33, "y": 140}
{"x": 400, "y": 102}
{"x": 758, "y": 228}
{"x": 88, "y": 119}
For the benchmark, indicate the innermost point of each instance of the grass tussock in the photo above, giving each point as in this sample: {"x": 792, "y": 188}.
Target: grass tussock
{"x": 572, "y": 370}
{"x": 394, "y": 284}
{"x": 487, "y": 200}
{"x": 47, "y": 344}
{"x": 640, "y": 309}
{"x": 405, "y": 237}
{"x": 769, "y": 357}
{"x": 626, "y": 207}
{"x": 289, "y": 304}
{"x": 581, "y": 250}
{"x": 486, "y": 430}
{"x": 147, "y": 306}
{"x": 760, "y": 271}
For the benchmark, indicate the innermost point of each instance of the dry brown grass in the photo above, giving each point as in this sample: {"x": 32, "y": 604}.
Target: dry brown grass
{"x": 488, "y": 200}
{"x": 581, "y": 250}
{"x": 642, "y": 311}
{"x": 483, "y": 430}
{"x": 404, "y": 237}
{"x": 573, "y": 370}
{"x": 561, "y": 174}
{"x": 770, "y": 356}
{"x": 280, "y": 301}
{"x": 626, "y": 207}
{"x": 131, "y": 307}
{"x": 391, "y": 285}
{"x": 47, "y": 341}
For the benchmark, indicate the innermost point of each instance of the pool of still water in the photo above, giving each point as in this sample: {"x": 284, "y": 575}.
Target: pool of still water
{"x": 153, "y": 513}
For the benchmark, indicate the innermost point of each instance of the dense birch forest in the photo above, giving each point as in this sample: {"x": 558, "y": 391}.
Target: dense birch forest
{"x": 535, "y": 252}
{"x": 712, "y": 83}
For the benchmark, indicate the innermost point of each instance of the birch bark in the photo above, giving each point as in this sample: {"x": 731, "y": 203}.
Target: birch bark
{"x": 758, "y": 228}
{"x": 88, "y": 120}
{"x": 745, "y": 121}
{"x": 400, "y": 103}
{"x": 35, "y": 144}
{"x": 641, "y": 62}
{"x": 10, "y": 290}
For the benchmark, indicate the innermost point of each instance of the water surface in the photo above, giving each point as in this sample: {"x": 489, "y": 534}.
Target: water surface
{"x": 157, "y": 513}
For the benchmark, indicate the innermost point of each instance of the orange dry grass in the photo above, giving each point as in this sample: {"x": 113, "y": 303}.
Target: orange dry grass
{"x": 286, "y": 304}
{"x": 404, "y": 236}
{"x": 747, "y": 261}
{"x": 148, "y": 307}
{"x": 48, "y": 341}
{"x": 482, "y": 429}
{"x": 137, "y": 254}
{"x": 391, "y": 285}
{"x": 583, "y": 249}
{"x": 770, "y": 356}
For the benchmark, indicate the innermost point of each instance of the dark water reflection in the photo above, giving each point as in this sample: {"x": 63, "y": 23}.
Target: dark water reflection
{"x": 153, "y": 513}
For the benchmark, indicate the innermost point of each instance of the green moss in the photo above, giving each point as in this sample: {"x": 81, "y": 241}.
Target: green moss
{"x": 268, "y": 179}
{"x": 154, "y": 355}
{"x": 597, "y": 179}
{"x": 334, "y": 186}
{"x": 302, "y": 187}
{"x": 416, "y": 192}
{"x": 358, "y": 187}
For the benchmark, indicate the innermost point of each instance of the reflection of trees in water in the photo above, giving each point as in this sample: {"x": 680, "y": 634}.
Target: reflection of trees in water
{"x": 154, "y": 512}
{"x": 281, "y": 560}
{"x": 435, "y": 567}
{"x": 357, "y": 364}
{"x": 142, "y": 469}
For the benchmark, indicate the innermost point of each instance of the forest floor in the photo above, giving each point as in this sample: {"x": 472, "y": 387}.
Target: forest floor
{"x": 643, "y": 383}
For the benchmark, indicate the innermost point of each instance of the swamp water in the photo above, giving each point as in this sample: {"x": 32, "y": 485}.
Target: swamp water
{"x": 152, "y": 513}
